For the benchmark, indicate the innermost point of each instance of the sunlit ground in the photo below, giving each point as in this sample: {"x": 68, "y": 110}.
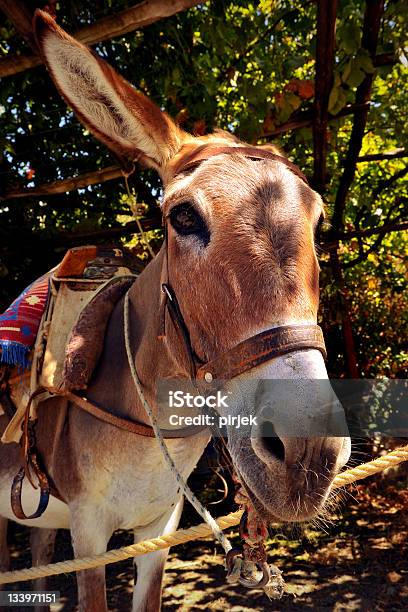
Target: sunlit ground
{"x": 356, "y": 561}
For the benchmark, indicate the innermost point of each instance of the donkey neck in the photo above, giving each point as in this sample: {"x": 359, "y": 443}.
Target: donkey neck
{"x": 155, "y": 357}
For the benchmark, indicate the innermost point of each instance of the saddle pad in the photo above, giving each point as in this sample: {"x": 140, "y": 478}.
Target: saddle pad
{"x": 20, "y": 322}
{"x": 70, "y": 299}
{"x": 85, "y": 343}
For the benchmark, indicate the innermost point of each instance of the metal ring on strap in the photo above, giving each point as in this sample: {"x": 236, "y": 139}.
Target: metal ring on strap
{"x": 16, "y": 490}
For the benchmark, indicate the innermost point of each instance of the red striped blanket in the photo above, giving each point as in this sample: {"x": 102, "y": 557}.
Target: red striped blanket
{"x": 20, "y": 322}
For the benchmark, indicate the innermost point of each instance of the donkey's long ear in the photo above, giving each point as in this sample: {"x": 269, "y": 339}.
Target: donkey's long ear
{"x": 125, "y": 120}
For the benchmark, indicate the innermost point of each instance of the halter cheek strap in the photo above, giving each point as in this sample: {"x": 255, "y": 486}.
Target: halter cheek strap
{"x": 248, "y": 354}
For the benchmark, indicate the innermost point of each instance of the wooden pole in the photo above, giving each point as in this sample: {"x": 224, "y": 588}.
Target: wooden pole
{"x": 371, "y": 28}
{"x": 70, "y": 184}
{"x": 326, "y": 29}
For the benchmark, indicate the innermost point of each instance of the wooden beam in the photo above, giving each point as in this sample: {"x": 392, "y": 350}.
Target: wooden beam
{"x": 325, "y": 40}
{"x": 135, "y": 17}
{"x": 372, "y": 231}
{"x": 121, "y": 23}
{"x": 70, "y": 184}
{"x": 371, "y": 27}
{"x": 113, "y": 172}
{"x": 385, "y": 59}
{"x": 18, "y": 63}
{"x": 67, "y": 239}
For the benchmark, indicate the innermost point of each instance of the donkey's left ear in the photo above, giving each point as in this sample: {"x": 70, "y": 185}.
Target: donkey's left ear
{"x": 132, "y": 126}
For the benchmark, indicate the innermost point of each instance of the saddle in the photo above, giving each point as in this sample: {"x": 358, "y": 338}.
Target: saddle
{"x": 83, "y": 290}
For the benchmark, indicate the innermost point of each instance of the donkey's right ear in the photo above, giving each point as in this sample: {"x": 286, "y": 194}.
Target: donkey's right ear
{"x": 125, "y": 120}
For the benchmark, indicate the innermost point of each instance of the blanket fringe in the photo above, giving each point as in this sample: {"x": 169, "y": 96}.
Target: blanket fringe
{"x": 14, "y": 354}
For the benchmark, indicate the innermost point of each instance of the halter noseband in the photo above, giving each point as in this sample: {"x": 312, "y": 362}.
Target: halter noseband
{"x": 257, "y": 349}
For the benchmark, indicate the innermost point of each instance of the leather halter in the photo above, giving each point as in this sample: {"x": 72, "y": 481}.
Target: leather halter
{"x": 201, "y": 154}
{"x": 248, "y": 354}
{"x": 257, "y": 349}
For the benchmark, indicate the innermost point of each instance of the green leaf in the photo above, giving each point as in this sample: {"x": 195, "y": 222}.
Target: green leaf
{"x": 347, "y": 71}
{"x": 337, "y": 100}
{"x": 349, "y": 37}
{"x": 365, "y": 61}
{"x": 334, "y": 96}
{"x": 293, "y": 100}
{"x": 356, "y": 76}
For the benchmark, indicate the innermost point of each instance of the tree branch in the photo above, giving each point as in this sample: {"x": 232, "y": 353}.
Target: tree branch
{"x": 69, "y": 239}
{"x": 305, "y": 119}
{"x": 385, "y": 228}
{"x": 384, "y": 59}
{"x": 388, "y": 182}
{"x": 395, "y": 154}
{"x": 382, "y": 229}
{"x": 364, "y": 254}
{"x": 121, "y": 23}
{"x": 326, "y": 26}
{"x": 70, "y": 184}
{"x": 66, "y": 239}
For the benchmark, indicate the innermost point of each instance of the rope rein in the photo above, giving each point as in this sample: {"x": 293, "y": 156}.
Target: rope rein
{"x": 187, "y": 535}
{"x": 203, "y": 512}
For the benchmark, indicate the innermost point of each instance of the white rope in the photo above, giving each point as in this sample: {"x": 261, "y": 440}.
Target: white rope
{"x": 192, "y": 533}
{"x": 203, "y": 512}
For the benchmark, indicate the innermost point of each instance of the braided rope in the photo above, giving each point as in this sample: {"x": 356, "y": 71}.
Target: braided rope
{"x": 112, "y": 556}
{"x": 187, "y": 535}
{"x": 359, "y": 472}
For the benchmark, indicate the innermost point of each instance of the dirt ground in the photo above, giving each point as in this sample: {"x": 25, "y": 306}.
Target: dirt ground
{"x": 357, "y": 560}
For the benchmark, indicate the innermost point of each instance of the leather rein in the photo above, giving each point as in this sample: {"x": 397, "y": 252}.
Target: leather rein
{"x": 246, "y": 355}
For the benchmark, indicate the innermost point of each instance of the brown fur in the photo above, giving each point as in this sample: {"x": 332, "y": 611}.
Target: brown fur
{"x": 258, "y": 226}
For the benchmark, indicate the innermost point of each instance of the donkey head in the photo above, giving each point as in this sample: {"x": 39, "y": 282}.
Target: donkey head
{"x": 240, "y": 251}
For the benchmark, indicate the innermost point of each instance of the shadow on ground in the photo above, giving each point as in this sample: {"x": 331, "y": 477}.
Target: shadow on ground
{"x": 355, "y": 560}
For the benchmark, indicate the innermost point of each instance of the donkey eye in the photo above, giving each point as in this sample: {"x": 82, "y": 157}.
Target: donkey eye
{"x": 186, "y": 220}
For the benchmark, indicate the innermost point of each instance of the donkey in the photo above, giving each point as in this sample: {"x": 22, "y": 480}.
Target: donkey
{"x": 239, "y": 251}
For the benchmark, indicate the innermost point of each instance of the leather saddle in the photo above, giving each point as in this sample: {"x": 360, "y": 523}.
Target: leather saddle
{"x": 84, "y": 288}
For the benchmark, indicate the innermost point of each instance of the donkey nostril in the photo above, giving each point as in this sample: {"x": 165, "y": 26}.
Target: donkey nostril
{"x": 271, "y": 442}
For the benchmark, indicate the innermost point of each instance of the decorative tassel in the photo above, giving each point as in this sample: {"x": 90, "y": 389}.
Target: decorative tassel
{"x": 14, "y": 353}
